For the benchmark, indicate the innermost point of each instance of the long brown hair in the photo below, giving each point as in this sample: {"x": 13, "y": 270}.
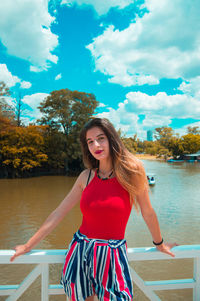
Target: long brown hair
{"x": 128, "y": 169}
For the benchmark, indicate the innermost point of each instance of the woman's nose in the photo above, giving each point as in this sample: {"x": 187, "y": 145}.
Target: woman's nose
{"x": 96, "y": 143}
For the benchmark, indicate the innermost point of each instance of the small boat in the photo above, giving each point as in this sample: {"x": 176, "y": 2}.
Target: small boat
{"x": 151, "y": 178}
{"x": 175, "y": 160}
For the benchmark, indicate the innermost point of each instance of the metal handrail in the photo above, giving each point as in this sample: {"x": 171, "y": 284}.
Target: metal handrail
{"x": 45, "y": 257}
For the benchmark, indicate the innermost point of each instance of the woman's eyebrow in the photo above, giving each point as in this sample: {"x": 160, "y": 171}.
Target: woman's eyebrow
{"x": 102, "y": 134}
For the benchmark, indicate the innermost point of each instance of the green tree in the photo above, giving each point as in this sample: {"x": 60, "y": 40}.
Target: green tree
{"x": 176, "y": 147}
{"x": 164, "y": 134}
{"x": 164, "y": 153}
{"x": 54, "y": 148}
{"x": 190, "y": 143}
{"x": 68, "y": 111}
{"x": 130, "y": 143}
{"x": 150, "y": 147}
{"x": 140, "y": 146}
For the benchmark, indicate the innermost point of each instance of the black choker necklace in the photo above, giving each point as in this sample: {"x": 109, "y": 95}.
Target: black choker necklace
{"x": 106, "y": 177}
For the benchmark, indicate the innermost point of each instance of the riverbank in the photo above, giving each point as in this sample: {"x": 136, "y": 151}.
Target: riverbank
{"x": 148, "y": 157}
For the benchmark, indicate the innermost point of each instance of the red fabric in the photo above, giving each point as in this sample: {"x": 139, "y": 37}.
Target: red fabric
{"x": 105, "y": 207}
{"x": 73, "y": 291}
{"x": 68, "y": 257}
{"x": 118, "y": 270}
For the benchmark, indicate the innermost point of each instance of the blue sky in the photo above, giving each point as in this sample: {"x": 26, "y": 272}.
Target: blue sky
{"x": 140, "y": 58}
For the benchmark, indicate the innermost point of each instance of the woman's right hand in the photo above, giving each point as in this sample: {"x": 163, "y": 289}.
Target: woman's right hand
{"x": 19, "y": 250}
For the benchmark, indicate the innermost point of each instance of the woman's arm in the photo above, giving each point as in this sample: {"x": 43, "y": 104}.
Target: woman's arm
{"x": 151, "y": 220}
{"x": 55, "y": 217}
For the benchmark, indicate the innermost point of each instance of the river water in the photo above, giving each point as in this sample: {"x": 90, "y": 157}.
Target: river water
{"x": 26, "y": 203}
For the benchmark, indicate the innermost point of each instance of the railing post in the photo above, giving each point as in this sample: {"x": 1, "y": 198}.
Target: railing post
{"x": 196, "y": 276}
{"x": 45, "y": 282}
{"x": 25, "y": 284}
{"x": 141, "y": 284}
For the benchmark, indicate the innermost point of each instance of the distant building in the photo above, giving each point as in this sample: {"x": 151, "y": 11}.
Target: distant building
{"x": 149, "y": 135}
{"x": 192, "y": 157}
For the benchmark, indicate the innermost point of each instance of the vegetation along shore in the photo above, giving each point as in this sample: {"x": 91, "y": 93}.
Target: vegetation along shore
{"x": 51, "y": 145}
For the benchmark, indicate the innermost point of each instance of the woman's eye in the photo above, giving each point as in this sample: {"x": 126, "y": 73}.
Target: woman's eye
{"x": 90, "y": 142}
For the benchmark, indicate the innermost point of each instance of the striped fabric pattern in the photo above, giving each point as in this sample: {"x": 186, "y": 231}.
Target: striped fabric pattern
{"x": 96, "y": 266}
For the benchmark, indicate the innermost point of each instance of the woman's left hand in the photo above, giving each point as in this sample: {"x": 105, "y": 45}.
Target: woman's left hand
{"x": 166, "y": 248}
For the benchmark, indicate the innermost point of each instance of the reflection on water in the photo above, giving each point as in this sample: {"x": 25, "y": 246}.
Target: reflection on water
{"x": 25, "y": 204}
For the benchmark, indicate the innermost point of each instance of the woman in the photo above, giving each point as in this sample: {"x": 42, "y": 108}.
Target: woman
{"x": 96, "y": 264}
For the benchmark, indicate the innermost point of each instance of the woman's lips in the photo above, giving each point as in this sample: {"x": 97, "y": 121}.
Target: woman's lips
{"x": 98, "y": 152}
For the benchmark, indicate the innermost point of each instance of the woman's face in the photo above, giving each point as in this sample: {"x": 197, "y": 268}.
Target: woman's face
{"x": 98, "y": 143}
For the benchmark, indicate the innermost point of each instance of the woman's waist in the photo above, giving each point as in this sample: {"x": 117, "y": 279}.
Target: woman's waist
{"x": 99, "y": 240}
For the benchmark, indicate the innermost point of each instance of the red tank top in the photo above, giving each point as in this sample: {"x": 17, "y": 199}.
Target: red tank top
{"x": 105, "y": 207}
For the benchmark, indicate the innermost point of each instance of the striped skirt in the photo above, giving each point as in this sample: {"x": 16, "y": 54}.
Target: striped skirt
{"x": 97, "y": 267}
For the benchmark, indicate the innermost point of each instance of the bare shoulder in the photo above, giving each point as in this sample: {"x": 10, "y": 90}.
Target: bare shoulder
{"x": 83, "y": 177}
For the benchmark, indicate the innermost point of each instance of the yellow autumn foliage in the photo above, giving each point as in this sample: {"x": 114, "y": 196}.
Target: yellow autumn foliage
{"x": 22, "y": 148}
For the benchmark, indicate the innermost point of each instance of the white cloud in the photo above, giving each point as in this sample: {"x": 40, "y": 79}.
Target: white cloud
{"x": 164, "y": 43}
{"x": 159, "y": 110}
{"x": 161, "y": 104}
{"x": 25, "y": 85}
{"x": 101, "y": 105}
{"x": 10, "y": 101}
{"x": 25, "y": 31}
{"x": 11, "y": 80}
{"x": 191, "y": 87}
{"x": 59, "y": 76}
{"x": 101, "y": 6}
{"x": 36, "y": 69}
{"x": 33, "y": 101}
{"x": 183, "y": 131}
{"x": 30, "y": 113}
{"x": 7, "y": 77}
{"x": 122, "y": 119}
{"x": 153, "y": 121}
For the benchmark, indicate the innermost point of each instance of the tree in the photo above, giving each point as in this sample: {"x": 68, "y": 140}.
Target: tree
{"x": 140, "y": 146}
{"x": 190, "y": 143}
{"x": 150, "y": 147}
{"x": 22, "y": 149}
{"x": 54, "y": 148}
{"x": 164, "y": 134}
{"x": 5, "y": 123}
{"x": 176, "y": 147}
{"x": 19, "y": 108}
{"x": 6, "y": 110}
{"x": 164, "y": 153}
{"x": 4, "y": 90}
{"x": 193, "y": 130}
{"x": 68, "y": 111}
{"x": 130, "y": 143}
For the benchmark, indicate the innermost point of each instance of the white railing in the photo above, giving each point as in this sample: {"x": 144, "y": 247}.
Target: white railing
{"x": 45, "y": 257}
